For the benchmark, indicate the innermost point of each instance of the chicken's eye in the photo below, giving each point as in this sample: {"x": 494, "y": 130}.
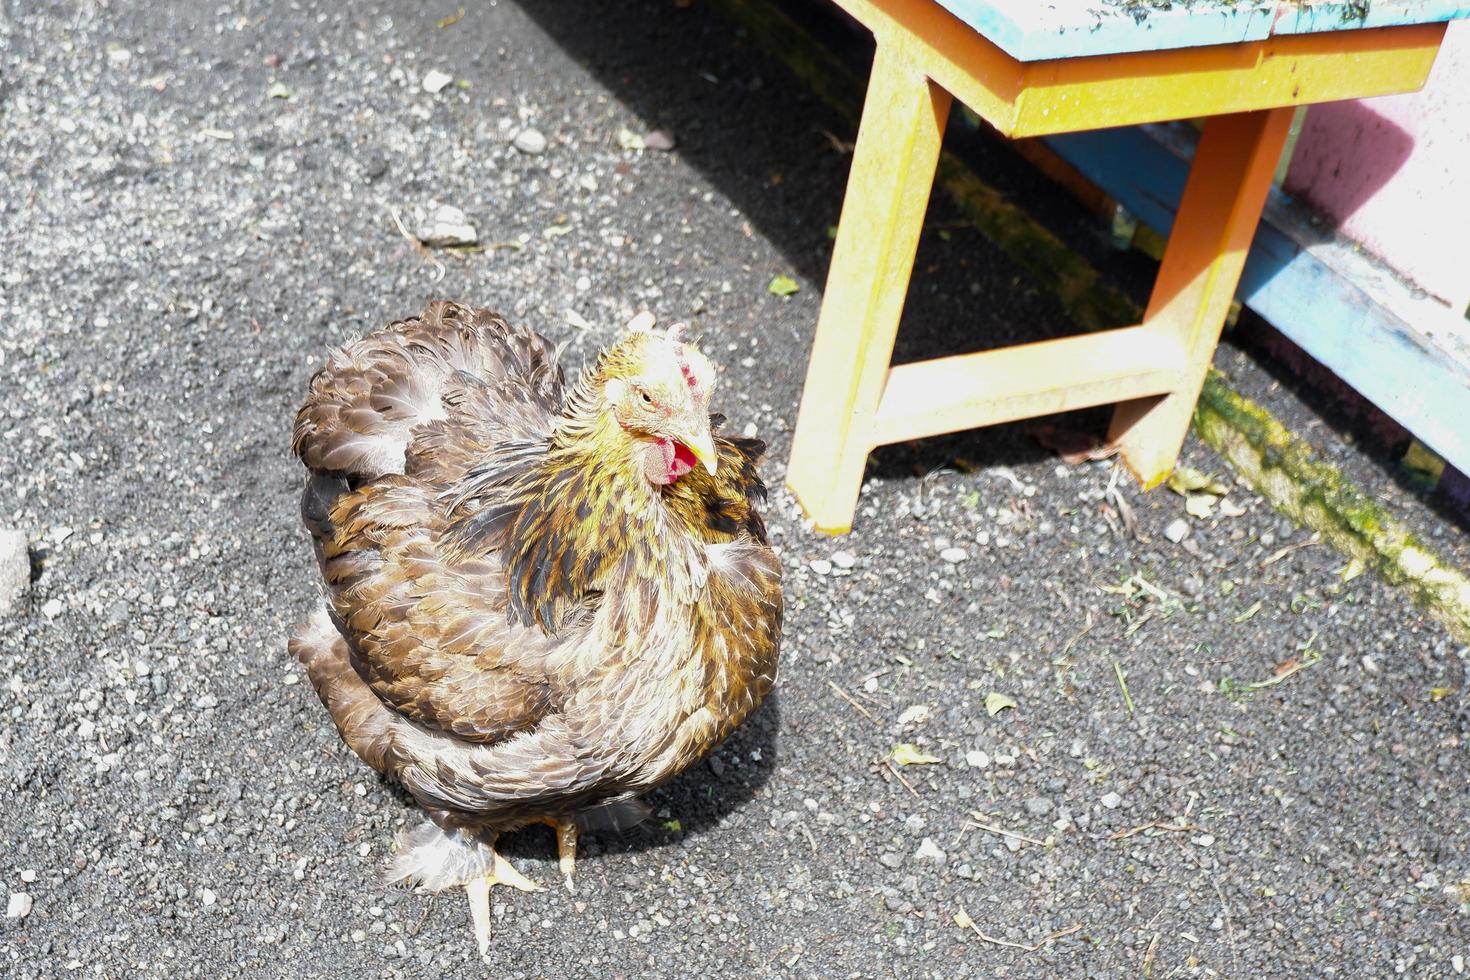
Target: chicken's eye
{"x": 647, "y": 398}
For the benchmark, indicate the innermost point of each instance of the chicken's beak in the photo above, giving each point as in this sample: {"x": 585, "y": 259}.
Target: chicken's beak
{"x": 701, "y": 443}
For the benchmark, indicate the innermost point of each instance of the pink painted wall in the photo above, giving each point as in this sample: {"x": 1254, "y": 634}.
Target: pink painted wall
{"x": 1394, "y": 173}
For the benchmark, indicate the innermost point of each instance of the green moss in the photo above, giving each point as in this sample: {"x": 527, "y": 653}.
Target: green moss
{"x": 1287, "y": 472}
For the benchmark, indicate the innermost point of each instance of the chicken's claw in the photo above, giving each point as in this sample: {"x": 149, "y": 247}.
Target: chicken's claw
{"x": 502, "y": 872}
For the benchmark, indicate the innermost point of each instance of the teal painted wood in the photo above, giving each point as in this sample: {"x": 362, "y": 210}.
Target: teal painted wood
{"x": 1042, "y": 30}
{"x": 1324, "y": 298}
{"x": 1317, "y": 18}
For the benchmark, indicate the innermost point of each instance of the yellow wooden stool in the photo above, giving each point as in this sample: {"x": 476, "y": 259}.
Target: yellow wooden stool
{"x": 855, "y": 399}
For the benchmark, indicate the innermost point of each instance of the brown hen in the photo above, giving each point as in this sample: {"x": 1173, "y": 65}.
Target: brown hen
{"x": 540, "y": 601}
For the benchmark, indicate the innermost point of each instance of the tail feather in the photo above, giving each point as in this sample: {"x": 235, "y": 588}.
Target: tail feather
{"x": 618, "y": 817}
{"x": 436, "y": 859}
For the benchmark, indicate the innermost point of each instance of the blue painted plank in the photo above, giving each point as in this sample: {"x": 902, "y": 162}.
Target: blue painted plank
{"x": 1323, "y": 311}
{"x": 1041, "y": 30}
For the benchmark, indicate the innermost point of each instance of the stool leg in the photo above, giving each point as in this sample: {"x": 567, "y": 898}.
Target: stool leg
{"x": 882, "y": 214}
{"x": 1212, "y": 232}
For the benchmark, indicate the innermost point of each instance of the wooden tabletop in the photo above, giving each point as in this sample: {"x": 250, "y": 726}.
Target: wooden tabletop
{"x": 1043, "y": 30}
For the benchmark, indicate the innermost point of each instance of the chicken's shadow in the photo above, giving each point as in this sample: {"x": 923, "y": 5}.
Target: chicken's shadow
{"x": 696, "y": 801}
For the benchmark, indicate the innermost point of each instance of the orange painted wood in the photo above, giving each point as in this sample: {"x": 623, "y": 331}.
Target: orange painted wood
{"x": 1217, "y": 217}
{"x": 1070, "y": 94}
{"x": 949, "y": 394}
{"x": 888, "y": 189}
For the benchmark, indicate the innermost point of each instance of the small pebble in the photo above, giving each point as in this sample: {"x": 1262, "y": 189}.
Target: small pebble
{"x": 660, "y": 139}
{"x": 15, "y": 569}
{"x": 821, "y": 566}
{"x": 929, "y": 851}
{"x": 1038, "y": 806}
{"x": 530, "y": 141}
{"x": 19, "y": 906}
{"x": 52, "y": 608}
{"x": 844, "y": 559}
{"x": 1177, "y": 530}
{"x": 28, "y": 875}
{"x": 954, "y": 555}
{"x": 890, "y": 859}
{"x": 977, "y": 759}
{"x": 447, "y": 226}
{"x": 208, "y": 897}
{"x": 1112, "y": 800}
{"x": 435, "y": 80}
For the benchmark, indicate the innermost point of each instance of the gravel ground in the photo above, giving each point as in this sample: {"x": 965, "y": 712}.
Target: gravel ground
{"x": 197, "y": 200}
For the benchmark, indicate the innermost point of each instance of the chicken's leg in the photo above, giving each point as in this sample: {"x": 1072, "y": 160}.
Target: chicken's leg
{"x": 502, "y": 872}
{"x": 566, "y": 847}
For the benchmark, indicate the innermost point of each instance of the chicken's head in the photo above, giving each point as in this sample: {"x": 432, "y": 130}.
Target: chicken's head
{"x": 657, "y": 387}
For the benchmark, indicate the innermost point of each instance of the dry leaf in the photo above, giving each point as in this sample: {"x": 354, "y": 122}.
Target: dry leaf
{"x": 995, "y": 703}
{"x": 628, "y": 139}
{"x": 1254, "y": 608}
{"x": 1200, "y": 505}
{"x": 783, "y": 286}
{"x": 910, "y": 755}
{"x": 915, "y": 714}
{"x": 1229, "y": 508}
{"x": 1072, "y": 446}
{"x": 1440, "y": 693}
{"x": 1186, "y": 480}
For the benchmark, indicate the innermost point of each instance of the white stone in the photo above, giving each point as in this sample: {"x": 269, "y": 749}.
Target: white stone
{"x": 28, "y": 875}
{"x": 821, "y": 566}
{"x": 19, "y": 906}
{"x": 530, "y": 141}
{"x": 447, "y": 225}
{"x": 207, "y": 897}
{"x": 435, "y": 81}
{"x": 1112, "y": 800}
{"x": 914, "y": 714}
{"x": 844, "y": 559}
{"x": 954, "y": 555}
{"x": 15, "y": 569}
{"x": 929, "y": 851}
{"x": 1177, "y": 530}
{"x": 977, "y": 759}
{"x": 52, "y": 608}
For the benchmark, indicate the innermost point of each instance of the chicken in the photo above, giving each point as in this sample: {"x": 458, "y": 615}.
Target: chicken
{"x": 541, "y": 601}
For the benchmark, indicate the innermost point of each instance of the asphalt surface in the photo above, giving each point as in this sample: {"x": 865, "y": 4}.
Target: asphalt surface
{"x": 196, "y": 200}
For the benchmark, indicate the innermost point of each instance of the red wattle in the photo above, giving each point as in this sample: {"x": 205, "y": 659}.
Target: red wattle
{"x": 683, "y": 461}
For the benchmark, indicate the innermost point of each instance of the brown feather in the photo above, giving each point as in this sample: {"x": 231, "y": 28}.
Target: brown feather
{"x": 518, "y": 624}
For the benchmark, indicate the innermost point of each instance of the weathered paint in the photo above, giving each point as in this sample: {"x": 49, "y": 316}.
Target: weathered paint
{"x": 1392, "y": 173}
{"x": 1041, "y": 30}
{"x": 1068, "y": 94}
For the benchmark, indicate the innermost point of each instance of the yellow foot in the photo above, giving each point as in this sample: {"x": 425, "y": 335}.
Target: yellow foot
{"x": 566, "y": 848}
{"x": 501, "y": 873}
